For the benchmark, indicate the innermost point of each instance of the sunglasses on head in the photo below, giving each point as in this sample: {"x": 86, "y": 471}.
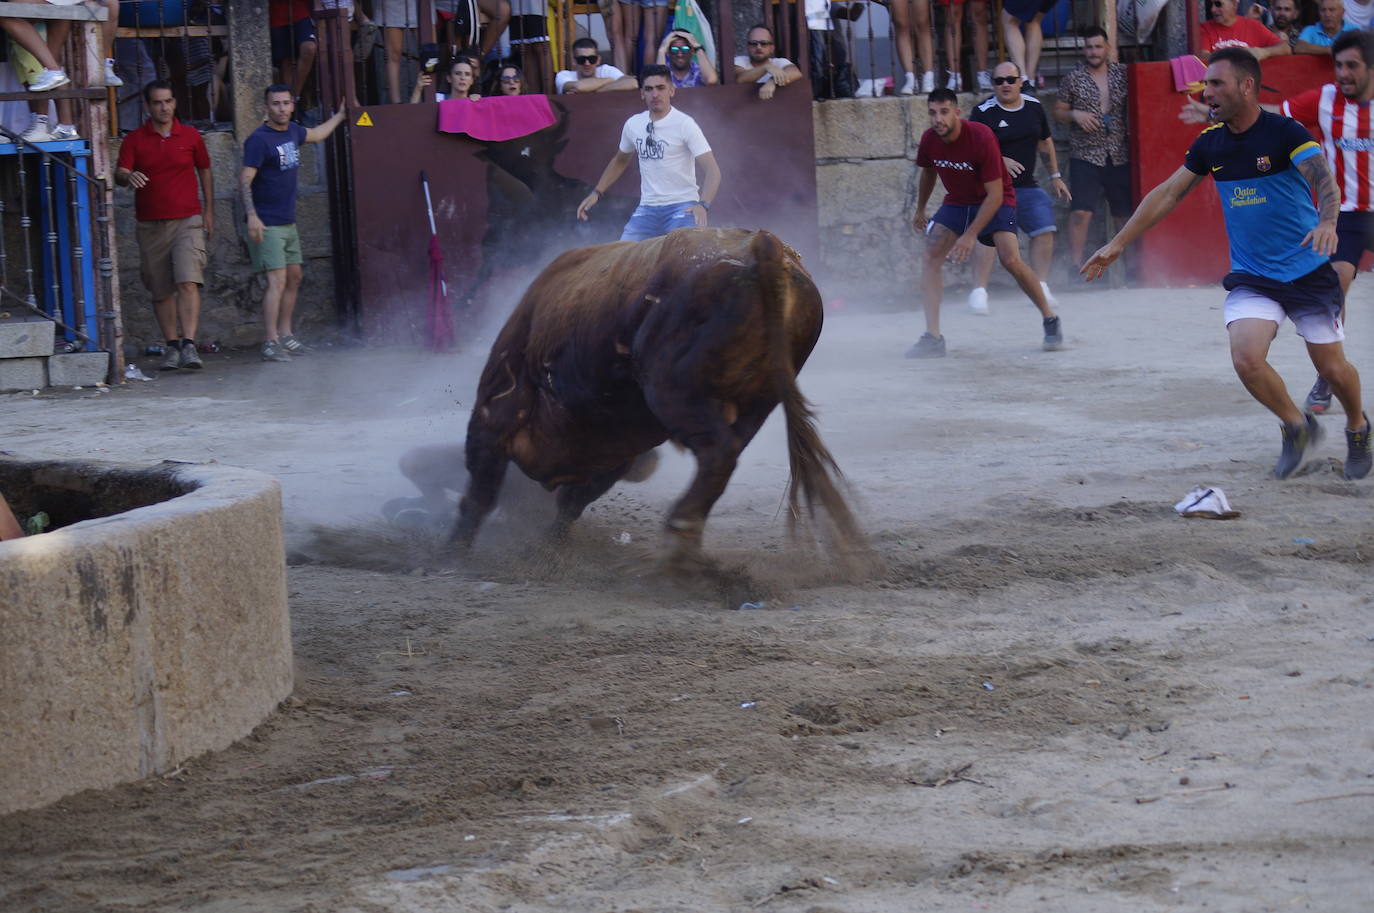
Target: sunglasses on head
{"x": 758, "y": 43}
{"x": 679, "y": 49}
{"x": 589, "y": 58}
{"x": 1005, "y": 80}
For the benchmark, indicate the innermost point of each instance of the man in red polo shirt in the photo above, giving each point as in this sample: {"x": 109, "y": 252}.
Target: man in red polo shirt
{"x": 1225, "y": 29}
{"x": 161, "y": 161}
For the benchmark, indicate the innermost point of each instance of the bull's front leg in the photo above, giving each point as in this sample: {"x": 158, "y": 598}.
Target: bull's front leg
{"x": 716, "y": 459}
{"x": 486, "y": 469}
{"x": 572, "y": 500}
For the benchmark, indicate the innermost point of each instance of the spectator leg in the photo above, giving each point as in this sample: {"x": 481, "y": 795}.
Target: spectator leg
{"x": 305, "y": 62}
{"x": 629, "y": 38}
{"x": 983, "y": 259}
{"x": 615, "y": 33}
{"x": 978, "y": 9}
{"x": 165, "y": 309}
{"x": 925, "y": 41}
{"x": 393, "y": 40}
{"x": 532, "y": 57}
{"x": 271, "y": 302}
{"x": 187, "y": 309}
{"x": 1016, "y": 44}
{"x": 1009, "y": 252}
{"x": 654, "y": 17}
{"x": 498, "y": 15}
{"x": 954, "y": 36}
{"x": 1035, "y": 39}
{"x": 110, "y": 26}
{"x": 901, "y": 25}
{"x": 290, "y": 290}
{"x": 1079, "y": 220}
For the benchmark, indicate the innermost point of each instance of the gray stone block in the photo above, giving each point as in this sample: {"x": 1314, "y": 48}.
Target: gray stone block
{"x": 854, "y": 128}
{"x": 23, "y": 373}
{"x": 855, "y": 192}
{"x": 24, "y": 337}
{"x": 78, "y": 369}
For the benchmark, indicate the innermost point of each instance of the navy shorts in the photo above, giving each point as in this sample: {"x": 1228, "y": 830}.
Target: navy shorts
{"x": 1316, "y": 295}
{"x": 1354, "y": 236}
{"x": 956, "y": 218}
{"x": 1026, "y": 10}
{"x": 287, "y": 39}
{"x": 1034, "y": 211}
{"x": 1089, "y": 183}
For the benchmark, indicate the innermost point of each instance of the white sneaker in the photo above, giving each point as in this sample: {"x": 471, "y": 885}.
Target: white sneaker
{"x": 1049, "y": 296}
{"x": 955, "y": 82}
{"x": 65, "y": 131}
{"x": 38, "y": 129}
{"x": 49, "y": 80}
{"x": 978, "y": 301}
{"x": 111, "y": 77}
{"x": 984, "y": 81}
{"x": 928, "y": 82}
{"x": 909, "y": 86}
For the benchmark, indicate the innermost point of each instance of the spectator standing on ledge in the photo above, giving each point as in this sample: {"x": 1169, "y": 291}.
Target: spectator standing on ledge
{"x": 1318, "y": 37}
{"x": 954, "y": 42}
{"x": 1267, "y": 168}
{"x": 687, "y": 63}
{"x": 1024, "y": 50}
{"x": 669, "y": 146}
{"x": 1227, "y": 30}
{"x": 979, "y": 207}
{"x": 771, "y": 73}
{"x": 1092, "y": 101}
{"x": 162, "y": 160}
{"x": 590, "y": 75}
{"x": 1022, "y": 130}
{"x": 293, "y": 41}
{"x": 267, "y": 185}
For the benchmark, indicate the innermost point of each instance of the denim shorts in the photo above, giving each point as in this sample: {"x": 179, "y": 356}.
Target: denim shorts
{"x": 957, "y": 217}
{"x": 1034, "y": 211}
{"x": 662, "y": 3}
{"x": 651, "y": 221}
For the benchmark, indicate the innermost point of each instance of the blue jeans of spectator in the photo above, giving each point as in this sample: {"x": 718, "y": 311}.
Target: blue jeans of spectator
{"x": 651, "y": 221}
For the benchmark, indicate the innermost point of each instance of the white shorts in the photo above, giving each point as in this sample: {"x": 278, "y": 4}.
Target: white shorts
{"x": 1244, "y": 302}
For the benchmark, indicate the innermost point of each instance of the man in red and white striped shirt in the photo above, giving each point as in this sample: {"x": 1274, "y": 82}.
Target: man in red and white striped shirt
{"x": 1339, "y": 114}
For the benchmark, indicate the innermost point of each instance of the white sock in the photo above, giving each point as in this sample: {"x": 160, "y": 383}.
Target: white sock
{"x": 1045, "y": 287}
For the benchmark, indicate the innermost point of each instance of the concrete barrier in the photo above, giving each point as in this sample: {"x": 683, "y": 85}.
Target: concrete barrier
{"x": 148, "y": 627}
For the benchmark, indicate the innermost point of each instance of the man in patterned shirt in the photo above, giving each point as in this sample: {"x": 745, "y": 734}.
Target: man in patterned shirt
{"x": 1266, "y": 168}
{"x": 1092, "y": 101}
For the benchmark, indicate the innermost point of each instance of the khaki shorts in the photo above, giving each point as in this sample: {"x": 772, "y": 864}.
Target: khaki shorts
{"x": 171, "y": 251}
{"x": 280, "y": 248}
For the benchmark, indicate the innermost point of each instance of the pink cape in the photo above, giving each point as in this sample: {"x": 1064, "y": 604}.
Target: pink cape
{"x": 495, "y": 119}
{"x": 1188, "y": 72}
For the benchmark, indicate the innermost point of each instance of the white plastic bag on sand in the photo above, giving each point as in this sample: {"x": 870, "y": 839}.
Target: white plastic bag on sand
{"x": 1207, "y": 502}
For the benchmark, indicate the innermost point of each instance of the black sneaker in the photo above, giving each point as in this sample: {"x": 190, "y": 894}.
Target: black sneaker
{"x": 1319, "y": 397}
{"x": 190, "y": 358}
{"x": 1358, "y": 458}
{"x": 1054, "y": 338}
{"x": 927, "y": 347}
{"x": 1297, "y": 441}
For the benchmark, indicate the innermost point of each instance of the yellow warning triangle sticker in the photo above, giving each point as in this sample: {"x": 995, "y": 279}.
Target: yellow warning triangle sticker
{"x": 365, "y": 120}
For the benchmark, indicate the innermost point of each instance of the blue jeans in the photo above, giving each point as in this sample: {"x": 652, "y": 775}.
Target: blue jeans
{"x": 651, "y": 221}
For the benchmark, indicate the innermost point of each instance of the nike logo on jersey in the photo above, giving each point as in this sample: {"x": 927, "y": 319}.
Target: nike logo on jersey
{"x": 1216, "y": 167}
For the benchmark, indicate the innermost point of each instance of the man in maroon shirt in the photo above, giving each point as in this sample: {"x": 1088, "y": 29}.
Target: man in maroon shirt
{"x": 979, "y": 205}
{"x": 161, "y": 161}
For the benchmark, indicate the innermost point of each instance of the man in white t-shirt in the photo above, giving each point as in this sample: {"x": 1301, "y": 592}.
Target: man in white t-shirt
{"x": 771, "y": 73}
{"x": 669, "y": 146}
{"x": 591, "y": 74}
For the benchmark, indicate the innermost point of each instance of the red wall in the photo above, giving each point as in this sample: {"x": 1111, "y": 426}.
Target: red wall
{"x": 1189, "y": 247}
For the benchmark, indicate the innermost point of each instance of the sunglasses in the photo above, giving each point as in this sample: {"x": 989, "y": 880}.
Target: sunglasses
{"x": 1216, "y": 4}
{"x": 591, "y": 58}
{"x": 510, "y": 78}
{"x": 1005, "y": 80}
{"x": 756, "y": 43}
{"x": 679, "y": 49}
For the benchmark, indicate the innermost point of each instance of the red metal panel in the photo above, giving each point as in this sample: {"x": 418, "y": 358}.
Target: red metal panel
{"x": 530, "y": 188}
{"x": 1189, "y": 247}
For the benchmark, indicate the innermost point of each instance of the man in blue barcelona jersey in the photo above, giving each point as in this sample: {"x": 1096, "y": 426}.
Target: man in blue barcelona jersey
{"x": 1266, "y": 168}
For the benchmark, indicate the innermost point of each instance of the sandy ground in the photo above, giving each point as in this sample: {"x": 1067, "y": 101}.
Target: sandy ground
{"x": 1059, "y": 696}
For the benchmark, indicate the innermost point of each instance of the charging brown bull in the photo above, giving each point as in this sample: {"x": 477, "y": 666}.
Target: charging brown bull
{"x": 693, "y": 337}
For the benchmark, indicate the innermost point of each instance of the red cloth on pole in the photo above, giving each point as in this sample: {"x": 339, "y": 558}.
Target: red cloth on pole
{"x": 441, "y": 336}
{"x": 496, "y": 119}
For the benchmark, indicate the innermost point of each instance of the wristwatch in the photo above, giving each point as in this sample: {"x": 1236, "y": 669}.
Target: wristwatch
{"x": 1056, "y": 176}
{"x": 703, "y": 204}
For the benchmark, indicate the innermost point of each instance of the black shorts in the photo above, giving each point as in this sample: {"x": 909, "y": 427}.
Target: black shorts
{"x": 1318, "y": 294}
{"x": 287, "y": 39}
{"x": 1088, "y": 183}
{"x": 1354, "y": 236}
{"x": 527, "y": 29}
{"x": 1026, "y": 10}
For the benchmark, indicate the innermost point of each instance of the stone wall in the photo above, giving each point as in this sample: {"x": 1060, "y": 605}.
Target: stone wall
{"x": 231, "y": 300}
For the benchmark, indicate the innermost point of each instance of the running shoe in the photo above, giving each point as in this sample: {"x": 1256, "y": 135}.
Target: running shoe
{"x": 37, "y": 131}
{"x": 927, "y": 347}
{"x": 1054, "y": 336}
{"x": 1298, "y": 440}
{"x": 65, "y": 132}
{"x": 272, "y": 351}
{"x": 49, "y": 80}
{"x": 984, "y": 81}
{"x": 190, "y": 358}
{"x": 908, "y": 86}
{"x": 978, "y": 301}
{"x": 171, "y": 359}
{"x": 928, "y": 82}
{"x": 1358, "y": 457}
{"x": 111, "y": 77}
{"x": 294, "y": 346}
{"x": 1319, "y": 397}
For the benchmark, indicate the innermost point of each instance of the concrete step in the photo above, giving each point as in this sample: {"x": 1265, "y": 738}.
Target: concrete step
{"x": 26, "y": 336}
{"x": 69, "y": 369}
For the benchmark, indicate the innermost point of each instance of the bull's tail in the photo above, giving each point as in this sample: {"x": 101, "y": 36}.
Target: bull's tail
{"x": 816, "y": 477}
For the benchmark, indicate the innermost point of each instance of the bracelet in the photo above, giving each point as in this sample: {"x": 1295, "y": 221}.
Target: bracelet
{"x": 1056, "y": 176}
{"x": 703, "y": 204}
{"x": 597, "y": 192}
